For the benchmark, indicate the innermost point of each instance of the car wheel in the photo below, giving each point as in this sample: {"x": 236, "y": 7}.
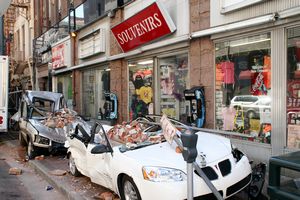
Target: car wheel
{"x": 22, "y": 140}
{"x": 31, "y": 150}
{"x": 72, "y": 166}
{"x": 129, "y": 190}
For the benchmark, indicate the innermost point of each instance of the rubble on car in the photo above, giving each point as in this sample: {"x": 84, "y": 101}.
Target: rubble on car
{"x": 133, "y": 134}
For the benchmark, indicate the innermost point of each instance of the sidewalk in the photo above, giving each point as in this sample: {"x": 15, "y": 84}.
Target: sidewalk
{"x": 74, "y": 188}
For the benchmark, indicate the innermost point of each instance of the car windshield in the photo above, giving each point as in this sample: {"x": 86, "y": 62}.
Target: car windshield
{"x": 41, "y": 108}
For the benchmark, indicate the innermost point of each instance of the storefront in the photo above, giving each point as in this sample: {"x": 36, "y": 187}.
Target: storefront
{"x": 293, "y": 87}
{"x": 159, "y": 74}
{"x": 257, "y": 88}
{"x": 95, "y": 83}
{"x": 162, "y": 91}
{"x": 61, "y": 59}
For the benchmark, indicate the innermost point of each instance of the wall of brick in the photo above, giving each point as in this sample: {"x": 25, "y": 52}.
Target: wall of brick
{"x": 201, "y": 56}
{"x": 118, "y": 73}
{"x": 77, "y": 80}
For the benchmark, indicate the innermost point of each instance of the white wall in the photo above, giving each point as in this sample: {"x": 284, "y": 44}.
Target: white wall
{"x": 28, "y": 27}
{"x": 104, "y": 23}
{"x": 259, "y": 9}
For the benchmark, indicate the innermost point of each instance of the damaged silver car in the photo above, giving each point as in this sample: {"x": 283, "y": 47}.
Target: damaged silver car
{"x": 42, "y": 120}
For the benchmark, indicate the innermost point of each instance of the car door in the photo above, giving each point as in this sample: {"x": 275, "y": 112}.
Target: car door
{"x": 78, "y": 149}
{"x": 99, "y": 161}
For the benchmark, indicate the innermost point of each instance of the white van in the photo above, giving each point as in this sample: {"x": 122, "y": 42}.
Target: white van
{"x": 4, "y": 93}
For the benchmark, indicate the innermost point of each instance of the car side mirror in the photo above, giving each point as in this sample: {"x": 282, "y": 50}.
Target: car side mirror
{"x": 100, "y": 148}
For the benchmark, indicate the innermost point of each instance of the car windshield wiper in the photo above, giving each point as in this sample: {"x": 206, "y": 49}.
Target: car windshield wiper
{"x": 125, "y": 148}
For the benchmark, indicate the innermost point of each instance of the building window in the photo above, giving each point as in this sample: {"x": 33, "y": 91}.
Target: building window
{"x": 293, "y": 88}
{"x": 95, "y": 83}
{"x": 173, "y": 80}
{"x": 140, "y": 88}
{"x": 243, "y": 87}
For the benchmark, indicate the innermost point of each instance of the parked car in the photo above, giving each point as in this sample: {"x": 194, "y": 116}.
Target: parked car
{"x": 252, "y": 106}
{"x": 136, "y": 162}
{"x": 36, "y": 107}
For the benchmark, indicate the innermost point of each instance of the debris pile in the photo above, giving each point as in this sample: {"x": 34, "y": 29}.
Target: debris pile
{"x": 60, "y": 118}
{"x": 132, "y": 133}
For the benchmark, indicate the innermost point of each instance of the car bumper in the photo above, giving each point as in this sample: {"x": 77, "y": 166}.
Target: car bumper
{"x": 229, "y": 185}
{"x": 51, "y": 146}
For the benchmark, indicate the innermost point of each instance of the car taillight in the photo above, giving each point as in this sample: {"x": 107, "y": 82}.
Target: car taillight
{"x": 1, "y": 120}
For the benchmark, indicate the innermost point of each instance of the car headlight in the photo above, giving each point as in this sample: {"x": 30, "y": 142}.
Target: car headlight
{"x": 163, "y": 174}
{"x": 41, "y": 140}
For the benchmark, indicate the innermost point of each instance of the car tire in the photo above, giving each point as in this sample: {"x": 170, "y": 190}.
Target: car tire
{"x": 72, "y": 167}
{"x": 31, "y": 149}
{"x": 129, "y": 190}
{"x": 22, "y": 140}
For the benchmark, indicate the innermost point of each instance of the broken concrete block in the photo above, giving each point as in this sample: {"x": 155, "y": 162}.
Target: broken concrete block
{"x": 58, "y": 172}
{"x": 107, "y": 196}
{"x": 41, "y": 157}
{"x": 104, "y": 196}
{"x": 15, "y": 171}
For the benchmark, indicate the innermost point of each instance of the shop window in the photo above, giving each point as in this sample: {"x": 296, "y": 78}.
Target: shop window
{"x": 96, "y": 82}
{"x": 243, "y": 87}
{"x": 64, "y": 86}
{"x": 140, "y": 88}
{"x": 173, "y": 76}
{"x": 293, "y": 88}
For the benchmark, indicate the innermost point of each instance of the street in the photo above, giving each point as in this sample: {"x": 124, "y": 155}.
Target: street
{"x": 37, "y": 180}
{"x": 27, "y": 185}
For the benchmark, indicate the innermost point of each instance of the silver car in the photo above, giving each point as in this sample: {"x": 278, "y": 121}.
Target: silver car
{"x": 252, "y": 106}
{"x": 36, "y": 107}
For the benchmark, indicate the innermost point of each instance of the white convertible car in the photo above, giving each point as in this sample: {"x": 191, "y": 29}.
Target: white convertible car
{"x": 136, "y": 162}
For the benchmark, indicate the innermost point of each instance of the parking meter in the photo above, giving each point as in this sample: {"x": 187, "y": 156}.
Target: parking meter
{"x": 189, "y": 142}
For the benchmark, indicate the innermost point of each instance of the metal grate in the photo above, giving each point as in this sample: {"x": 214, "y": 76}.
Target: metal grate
{"x": 225, "y": 167}
{"x": 209, "y": 172}
{"x": 238, "y": 186}
{"x": 209, "y": 196}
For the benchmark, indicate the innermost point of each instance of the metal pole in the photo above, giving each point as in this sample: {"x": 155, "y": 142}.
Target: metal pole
{"x": 190, "y": 186}
{"x": 201, "y": 173}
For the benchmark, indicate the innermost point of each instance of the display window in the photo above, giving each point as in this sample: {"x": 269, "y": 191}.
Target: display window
{"x": 64, "y": 86}
{"x": 243, "y": 87}
{"x": 293, "y": 88}
{"x": 140, "y": 88}
{"x": 96, "y": 82}
{"x": 173, "y": 80}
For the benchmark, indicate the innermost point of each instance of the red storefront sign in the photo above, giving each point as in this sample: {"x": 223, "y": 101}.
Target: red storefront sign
{"x": 149, "y": 24}
{"x": 58, "y": 56}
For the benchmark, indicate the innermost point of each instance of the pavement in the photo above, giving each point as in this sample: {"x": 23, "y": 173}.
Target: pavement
{"x": 74, "y": 188}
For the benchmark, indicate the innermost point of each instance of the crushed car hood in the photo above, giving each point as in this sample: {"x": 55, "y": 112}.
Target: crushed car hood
{"x": 212, "y": 146}
{"x": 56, "y": 135}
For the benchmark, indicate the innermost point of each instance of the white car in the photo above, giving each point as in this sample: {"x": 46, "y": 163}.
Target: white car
{"x": 135, "y": 162}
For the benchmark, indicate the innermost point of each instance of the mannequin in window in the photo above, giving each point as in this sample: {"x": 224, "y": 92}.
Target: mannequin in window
{"x": 228, "y": 86}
